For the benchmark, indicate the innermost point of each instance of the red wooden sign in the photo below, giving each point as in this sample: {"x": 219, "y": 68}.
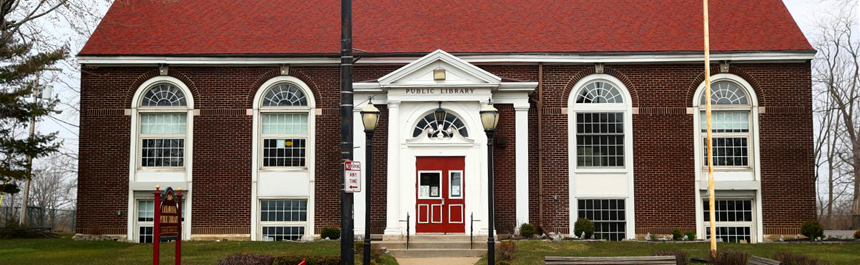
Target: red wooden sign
{"x": 168, "y": 221}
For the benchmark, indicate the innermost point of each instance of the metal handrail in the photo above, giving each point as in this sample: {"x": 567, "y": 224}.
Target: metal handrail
{"x": 472, "y": 229}
{"x": 407, "y": 230}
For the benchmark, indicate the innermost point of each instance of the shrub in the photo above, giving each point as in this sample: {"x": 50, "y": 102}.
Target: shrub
{"x": 653, "y": 237}
{"x": 315, "y": 260}
{"x": 13, "y": 230}
{"x": 732, "y": 257}
{"x": 506, "y": 250}
{"x": 247, "y": 259}
{"x": 680, "y": 256}
{"x": 330, "y": 233}
{"x": 789, "y": 258}
{"x": 677, "y": 235}
{"x": 690, "y": 235}
{"x": 502, "y": 262}
{"x": 812, "y": 229}
{"x": 527, "y": 230}
{"x": 375, "y": 251}
{"x": 857, "y": 234}
{"x": 583, "y": 225}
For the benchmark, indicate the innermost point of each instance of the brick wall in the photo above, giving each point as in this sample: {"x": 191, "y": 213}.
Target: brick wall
{"x": 663, "y": 149}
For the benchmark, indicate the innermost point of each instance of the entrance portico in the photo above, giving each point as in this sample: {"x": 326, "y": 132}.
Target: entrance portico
{"x": 412, "y": 95}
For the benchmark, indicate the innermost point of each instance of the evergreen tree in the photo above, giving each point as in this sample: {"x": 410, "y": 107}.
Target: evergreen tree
{"x": 20, "y": 65}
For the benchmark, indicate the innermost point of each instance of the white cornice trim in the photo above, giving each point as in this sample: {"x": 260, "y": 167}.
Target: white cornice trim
{"x": 739, "y": 57}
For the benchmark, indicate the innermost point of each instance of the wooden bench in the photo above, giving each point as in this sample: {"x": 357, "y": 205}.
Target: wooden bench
{"x": 649, "y": 260}
{"x": 756, "y": 260}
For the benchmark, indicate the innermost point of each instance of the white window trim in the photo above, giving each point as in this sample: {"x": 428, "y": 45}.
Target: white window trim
{"x": 627, "y": 109}
{"x": 261, "y": 224}
{"x": 257, "y": 152}
{"x": 701, "y": 172}
{"x": 136, "y": 145}
{"x": 439, "y": 172}
{"x": 450, "y": 184}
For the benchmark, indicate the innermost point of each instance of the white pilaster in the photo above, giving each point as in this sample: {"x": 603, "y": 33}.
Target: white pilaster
{"x": 522, "y": 163}
{"x": 358, "y": 139}
{"x": 392, "y": 220}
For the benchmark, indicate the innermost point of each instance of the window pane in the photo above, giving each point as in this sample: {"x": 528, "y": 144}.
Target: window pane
{"x": 163, "y": 152}
{"x": 731, "y": 234}
{"x": 285, "y": 94}
{"x": 145, "y": 211}
{"x": 162, "y": 123}
{"x": 283, "y": 211}
{"x": 284, "y": 152}
{"x": 728, "y": 151}
{"x": 163, "y": 95}
{"x": 600, "y": 139}
{"x": 145, "y": 234}
{"x": 599, "y": 92}
{"x": 283, "y": 233}
{"x": 429, "y": 185}
{"x": 456, "y": 184}
{"x": 726, "y": 121}
{"x": 726, "y": 93}
{"x": 285, "y": 123}
{"x": 607, "y": 215}
{"x": 729, "y": 210}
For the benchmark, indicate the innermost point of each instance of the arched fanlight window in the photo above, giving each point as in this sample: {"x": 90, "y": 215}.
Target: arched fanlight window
{"x": 163, "y": 132}
{"x": 599, "y": 92}
{"x": 730, "y": 116}
{"x": 285, "y": 94}
{"x": 430, "y": 124}
{"x": 726, "y": 93}
{"x": 164, "y": 94}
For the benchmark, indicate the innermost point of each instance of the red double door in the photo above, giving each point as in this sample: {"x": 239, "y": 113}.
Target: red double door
{"x": 440, "y": 193}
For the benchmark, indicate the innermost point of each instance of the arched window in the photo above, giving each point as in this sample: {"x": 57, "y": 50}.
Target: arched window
{"x": 600, "y": 132}
{"x": 449, "y": 124}
{"x": 163, "y": 126}
{"x": 731, "y": 120}
{"x": 284, "y": 116}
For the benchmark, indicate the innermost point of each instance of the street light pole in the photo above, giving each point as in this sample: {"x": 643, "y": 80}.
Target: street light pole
{"x": 370, "y": 118}
{"x": 490, "y": 118}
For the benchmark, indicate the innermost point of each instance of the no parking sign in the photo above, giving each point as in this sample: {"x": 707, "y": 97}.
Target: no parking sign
{"x": 352, "y": 173}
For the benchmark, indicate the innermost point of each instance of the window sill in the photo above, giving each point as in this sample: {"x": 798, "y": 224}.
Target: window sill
{"x": 283, "y": 169}
{"x": 601, "y": 170}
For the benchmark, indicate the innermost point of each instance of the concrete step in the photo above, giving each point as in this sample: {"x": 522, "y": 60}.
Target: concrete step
{"x": 432, "y": 244}
{"x": 436, "y": 253}
{"x": 436, "y": 238}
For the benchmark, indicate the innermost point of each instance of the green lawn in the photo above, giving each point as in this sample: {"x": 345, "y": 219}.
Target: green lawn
{"x": 533, "y": 252}
{"x": 63, "y": 250}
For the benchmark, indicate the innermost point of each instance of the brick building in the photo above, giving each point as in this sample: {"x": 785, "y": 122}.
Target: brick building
{"x": 236, "y": 102}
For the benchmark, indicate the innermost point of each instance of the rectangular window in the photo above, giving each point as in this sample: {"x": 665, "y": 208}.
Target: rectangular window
{"x": 163, "y": 143}
{"x": 285, "y": 123}
{"x": 283, "y": 152}
{"x": 728, "y": 151}
{"x": 600, "y": 139}
{"x": 163, "y": 152}
{"x": 726, "y": 121}
{"x": 145, "y": 211}
{"x": 283, "y": 210}
{"x": 733, "y": 218}
{"x": 283, "y": 233}
{"x": 730, "y": 138}
{"x": 284, "y": 139}
{"x": 608, "y": 216}
{"x": 146, "y": 234}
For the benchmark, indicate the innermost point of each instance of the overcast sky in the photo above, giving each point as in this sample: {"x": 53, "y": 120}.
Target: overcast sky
{"x": 805, "y": 12}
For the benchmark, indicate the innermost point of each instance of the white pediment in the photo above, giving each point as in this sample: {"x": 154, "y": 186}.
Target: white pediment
{"x": 458, "y": 73}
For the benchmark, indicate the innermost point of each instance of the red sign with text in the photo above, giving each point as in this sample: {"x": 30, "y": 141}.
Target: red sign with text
{"x": 352, "y": 175}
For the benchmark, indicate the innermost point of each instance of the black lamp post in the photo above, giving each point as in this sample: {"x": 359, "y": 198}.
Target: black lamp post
{"x": 370, "y": 118}
{"x": 490, "y": 118}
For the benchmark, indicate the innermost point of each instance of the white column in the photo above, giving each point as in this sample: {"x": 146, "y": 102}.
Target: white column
{"x": 522, "y": 163}
{"x": 392, "y": 221}
{"x": 358, "y": 155}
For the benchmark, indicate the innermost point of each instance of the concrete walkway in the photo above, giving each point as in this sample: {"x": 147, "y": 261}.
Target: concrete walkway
{"x": 437, "y": 261}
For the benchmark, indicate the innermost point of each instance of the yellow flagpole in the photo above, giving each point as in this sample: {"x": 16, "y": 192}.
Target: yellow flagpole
{"x": 709, "y": 141}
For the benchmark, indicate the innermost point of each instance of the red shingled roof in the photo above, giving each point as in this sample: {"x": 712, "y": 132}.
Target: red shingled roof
{"x": 280, "y": 27}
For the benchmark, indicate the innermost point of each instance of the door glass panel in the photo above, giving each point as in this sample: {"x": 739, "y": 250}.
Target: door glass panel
{"x": 456, "y": 184}
{"x": 430, "y": 185}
